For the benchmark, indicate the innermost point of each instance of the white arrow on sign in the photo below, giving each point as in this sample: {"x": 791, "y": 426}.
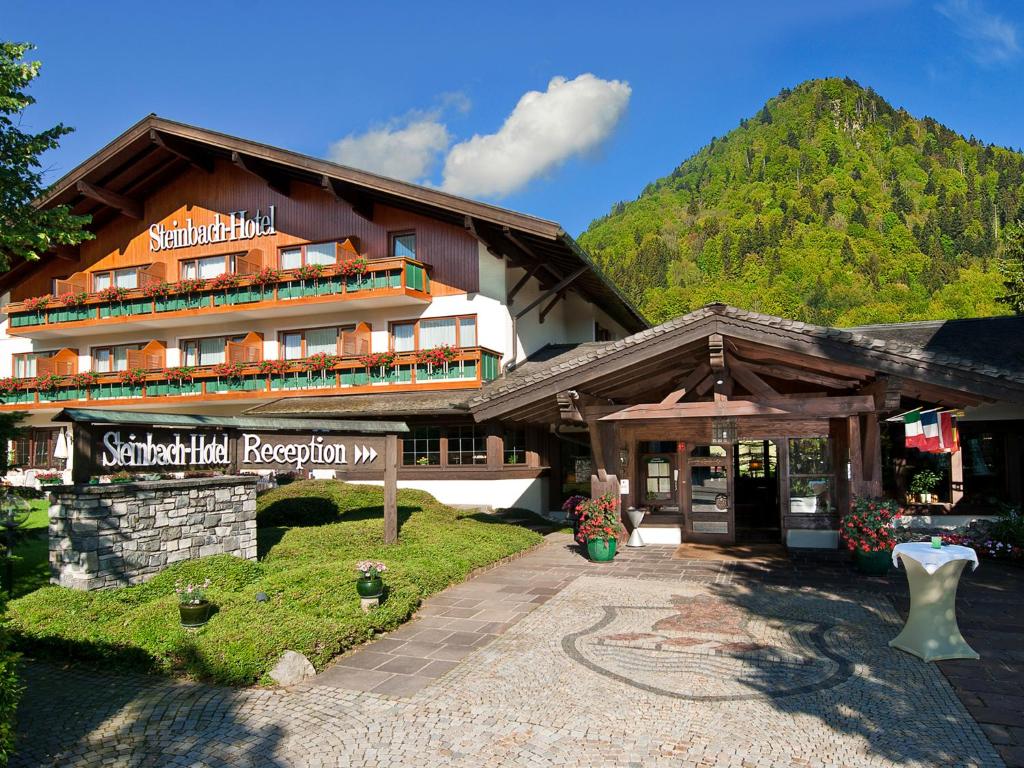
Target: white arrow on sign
{"x": 363, "y": 455}
{"x": 358, "y": 454}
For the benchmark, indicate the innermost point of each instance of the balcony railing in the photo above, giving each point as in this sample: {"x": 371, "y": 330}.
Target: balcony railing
{"x": 469, "y": 368}
{"x": 380, "y": 277}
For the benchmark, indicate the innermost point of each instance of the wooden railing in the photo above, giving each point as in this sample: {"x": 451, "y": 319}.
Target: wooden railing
{"x": 382, "y": 277}
{"x": 470, "y": 368}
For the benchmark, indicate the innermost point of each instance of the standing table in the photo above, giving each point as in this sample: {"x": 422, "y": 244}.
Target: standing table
{"x": 931, "y": 631}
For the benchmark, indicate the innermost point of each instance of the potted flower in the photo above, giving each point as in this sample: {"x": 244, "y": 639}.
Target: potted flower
{"x": 274, "y": 367}
{"x": 193, "y": 607}
{"x": 48, "y": 382}
{"x": 50, "y": 478}
{"x": 380, "y": 362}
{"x": 354, "y": 267}
{"x": 370, "y": 584}
{"x": 73, "y": 299}
{"x": 922, "y": 484}
{"x": 599, "y": 526}
{"x": 264, "y": 279}
{"x": 122, "y": 477}
{"x": 868, "y": 532}
{"x": 160, "y": 290}
{"x": 321, "y": 361}
{"x": 36, "y": 303}
{"x": 571, "y": 509}
{"x": 133, "y": 377}
{"x": 112, "y": 294}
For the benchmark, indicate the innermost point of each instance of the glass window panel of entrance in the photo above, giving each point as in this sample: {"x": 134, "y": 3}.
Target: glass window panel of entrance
{"x": 708, "y": 452}
{"x": 709, "y": 488}
{"x": 659, "y": 478}
{"x": 811, "y": 479}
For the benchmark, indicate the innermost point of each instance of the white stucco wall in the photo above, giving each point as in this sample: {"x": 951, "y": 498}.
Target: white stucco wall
{"x": 496, "y": 494}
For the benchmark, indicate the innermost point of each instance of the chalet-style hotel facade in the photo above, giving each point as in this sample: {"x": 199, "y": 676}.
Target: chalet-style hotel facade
{"x": 231, "y": 279}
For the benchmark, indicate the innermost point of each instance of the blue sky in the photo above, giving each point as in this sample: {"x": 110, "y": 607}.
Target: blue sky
{"x": 405, "y": 87}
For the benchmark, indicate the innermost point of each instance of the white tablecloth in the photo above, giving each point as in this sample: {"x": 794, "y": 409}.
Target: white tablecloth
{"x": 932, "y": 559}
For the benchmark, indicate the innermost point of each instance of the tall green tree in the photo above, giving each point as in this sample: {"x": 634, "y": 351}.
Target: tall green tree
{"x": 26, "y": 232}
{"x": 1011, "y": 266}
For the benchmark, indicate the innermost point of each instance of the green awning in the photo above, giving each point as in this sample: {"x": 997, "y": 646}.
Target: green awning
{"x": 255, "y": 423}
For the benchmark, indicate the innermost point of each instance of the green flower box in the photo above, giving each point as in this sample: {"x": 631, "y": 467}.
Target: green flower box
{"x": 20, "y": 396}
{"x": 178, "y": 303}
{"x": 247, "y": 295}
{"x": 355, "y": 377}
{"x": 71, "y": 393}
{"x": 303, "y": 380}
{"x": 243, "y": 384}
{"x": 173, "y": 388}
{"x": 111, "y": 391}
{"x": 71, "y": 314}
{"x": 126, "y": 308}
{"x": 26, "y": 318}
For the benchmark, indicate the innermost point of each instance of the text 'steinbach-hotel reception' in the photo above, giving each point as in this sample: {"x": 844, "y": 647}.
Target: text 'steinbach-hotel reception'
{"x": 228, "y": 279}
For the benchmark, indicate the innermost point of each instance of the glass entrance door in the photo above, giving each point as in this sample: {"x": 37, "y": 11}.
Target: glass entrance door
{"x": 710, "y": 505}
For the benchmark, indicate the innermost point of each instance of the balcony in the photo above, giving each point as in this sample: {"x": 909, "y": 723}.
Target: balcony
{"x": 466, "y": 368}
{"x": 302, "y": 292}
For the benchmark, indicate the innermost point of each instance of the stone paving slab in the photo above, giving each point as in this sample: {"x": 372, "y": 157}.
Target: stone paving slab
{"x": 801, "y": 656}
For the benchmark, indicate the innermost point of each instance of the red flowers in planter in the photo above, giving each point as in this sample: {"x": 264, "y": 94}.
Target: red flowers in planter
{"x": 440, "y": 355}
{"x": 73, "y": 298}
{"x": 189, "y": 285}
{"x": 9, "y": 385}
{"x": 180, "y": 373}
{"x": 599, "y": 519}
{"x": 223, "y": 281}
{"x": 82, "y": 380}
{"x": 310, "y": 271}
{"x": 274, "y": 366}
{"x": 227, "y": 370}
{"x": 321, "y": 361}
{"x": 47, "y": 383}
{"x": 379, "y": 360}
{"x": 37, "y": 303}
{"x": 868, "y": 527}
{"x": 160, "y": 290}
{"x": 266, "y": 276}
{"x": 134, "y": 377}
{"x": 113, "y": 293}
{"x": 354, "y": 266}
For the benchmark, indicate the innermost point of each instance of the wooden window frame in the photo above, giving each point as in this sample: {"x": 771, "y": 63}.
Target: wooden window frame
{"x": 337, "y": 339}
{"x": 111, "y": 347}
{"x": 35, "y": 353}
{"x": 393, "y": 236}
{"x": 415, "y": 322}
{"x": 226, "y": 336}
{"x": 230, "y": 265}
{"x": 303, "y": 246}
{"x": 31, "y": 438}
{"x": 111, "y": 273}
{"x": 478, "y": 433}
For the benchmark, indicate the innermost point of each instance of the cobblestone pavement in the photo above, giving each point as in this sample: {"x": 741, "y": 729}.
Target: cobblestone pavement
{"x": 645, "y": 661}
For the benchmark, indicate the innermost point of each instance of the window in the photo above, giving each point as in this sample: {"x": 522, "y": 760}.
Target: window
{"x": 208, "y": 351}
{"x": 25, "y": 363}
{"x": 314, "y": 253}
{"x": 296, "y": 345}
{"x": 466, "y": 445}
{"x": 810, "y": 475}
{"x": 207, "y": 268}
{"x": 113, "y": 358}
{"x": 601, "y": 333}
{"x": 127, "y": 278}
{"x": 33, "y": 448}
{"x": 515, "y": 446}
{"x": 427, "y": 334}
{"x": 403, "y": 245}
{"x": 422, "y": 447}
{"x": 658, "y": 470}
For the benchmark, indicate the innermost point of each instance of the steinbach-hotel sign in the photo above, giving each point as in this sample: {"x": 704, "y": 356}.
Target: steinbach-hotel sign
{"x": 237, "y": 226}
{"x": 195, "y": 449}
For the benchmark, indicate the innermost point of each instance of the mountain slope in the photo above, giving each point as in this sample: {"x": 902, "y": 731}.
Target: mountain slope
{"x": 828, "y": 206}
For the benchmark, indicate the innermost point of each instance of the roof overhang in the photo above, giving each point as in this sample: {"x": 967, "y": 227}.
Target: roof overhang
{"x": 254, "y": 423}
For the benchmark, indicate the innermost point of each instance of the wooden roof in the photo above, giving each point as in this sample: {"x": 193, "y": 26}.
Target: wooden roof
{"x": 783, "y": 354}
{"x": 156, "y": 150}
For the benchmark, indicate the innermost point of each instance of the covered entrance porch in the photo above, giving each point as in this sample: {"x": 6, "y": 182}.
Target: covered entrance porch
{"x": 729, "y": 426}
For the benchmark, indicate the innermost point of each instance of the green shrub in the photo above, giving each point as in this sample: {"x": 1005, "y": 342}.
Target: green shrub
{"x": 308, "y": 575}
{"x": 10, "y": 692}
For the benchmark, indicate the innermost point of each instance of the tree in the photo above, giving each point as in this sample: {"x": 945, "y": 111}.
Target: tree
{"x": 1011, "y": 267}
{"x": 26, "y": 232}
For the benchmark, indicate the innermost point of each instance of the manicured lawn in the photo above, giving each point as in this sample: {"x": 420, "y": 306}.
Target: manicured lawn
{"x": 31, "y": 567}
{"x": 312, "y": 533}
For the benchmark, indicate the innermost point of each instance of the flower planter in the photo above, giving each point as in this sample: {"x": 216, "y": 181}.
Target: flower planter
{"x": 194, "y": 615}
{"x": 873, "y": 563}
{"x": 601, "y": 550}
{"x": 370, "y": 587}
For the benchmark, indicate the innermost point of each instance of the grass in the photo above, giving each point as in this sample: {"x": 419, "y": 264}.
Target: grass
{"x": 30, "y": 565}
{"x": 306, "y": 570}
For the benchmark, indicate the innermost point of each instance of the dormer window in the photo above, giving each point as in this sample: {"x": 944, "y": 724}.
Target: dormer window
{"x": 403, "y": 245}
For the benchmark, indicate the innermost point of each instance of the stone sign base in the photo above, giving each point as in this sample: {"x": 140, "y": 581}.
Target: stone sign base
{"x": 104, "y": 536}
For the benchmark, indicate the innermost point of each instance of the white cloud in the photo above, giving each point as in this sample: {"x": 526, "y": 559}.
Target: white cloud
{"x": 994, "y": 39}
{"x": 545, "y": 129}
{"x": 404, "y": 149}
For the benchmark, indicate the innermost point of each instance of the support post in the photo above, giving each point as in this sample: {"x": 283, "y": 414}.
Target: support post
{"x": 390, "y": 489}
{"x": 956, "y": 477}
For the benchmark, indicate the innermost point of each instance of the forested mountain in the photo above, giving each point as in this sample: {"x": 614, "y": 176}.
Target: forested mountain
{"x": 829, "y": 206}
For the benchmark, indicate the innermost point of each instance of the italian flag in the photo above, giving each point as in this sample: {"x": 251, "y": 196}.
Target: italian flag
{"x": 914, "y": 430}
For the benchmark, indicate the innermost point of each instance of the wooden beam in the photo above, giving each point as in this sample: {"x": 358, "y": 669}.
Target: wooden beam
{"x": 564, "y": 283}
{"x": 793, "y": 374}
{"x": 814, "y": 407}
{"x": 66, "y": 252}
{"x": 716, "y": 352}
{"x": 530, "y": 274}
{"x": 193, "y": 156}
{"x": 126, "y": 205}
{"x": 558, "y": 297}
{"x": 390, "y": 489}
{"x": 471, "y": 226}
{"x": 779, "y": 356}
{"x": 360, "y": 203}
{"x": 753, "y": 383}
{"x": 887, "y": 392}
{"x": 276, "y": 180}
{"x": 695, "y": 377}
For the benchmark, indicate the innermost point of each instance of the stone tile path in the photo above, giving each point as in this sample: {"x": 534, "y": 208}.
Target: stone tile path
{"x": 646, "y": 661}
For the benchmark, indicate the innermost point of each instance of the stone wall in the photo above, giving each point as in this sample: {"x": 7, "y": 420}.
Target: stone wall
{"x": 111, "y": 535}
